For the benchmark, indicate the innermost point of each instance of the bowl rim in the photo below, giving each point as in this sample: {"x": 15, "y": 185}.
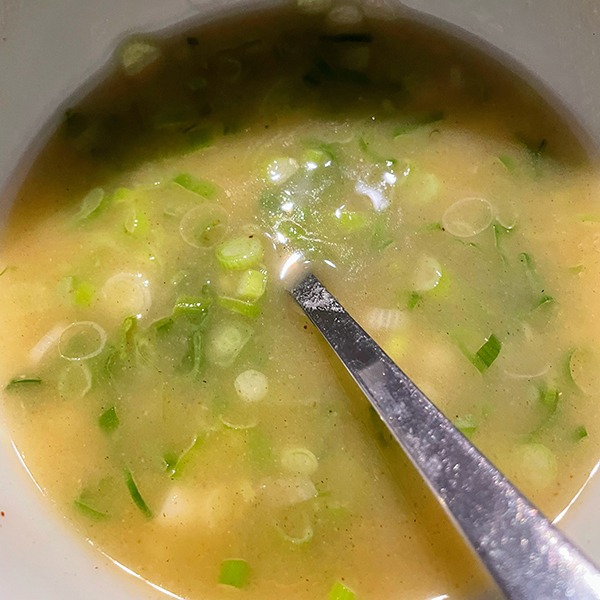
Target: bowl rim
{"x": 33, "y": 539}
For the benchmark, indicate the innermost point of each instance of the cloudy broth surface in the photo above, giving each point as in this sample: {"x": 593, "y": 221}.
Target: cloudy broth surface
{"x": 169, "y": 398}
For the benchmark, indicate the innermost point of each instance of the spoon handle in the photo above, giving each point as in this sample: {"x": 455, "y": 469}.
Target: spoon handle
{"x": 526, "y": 555}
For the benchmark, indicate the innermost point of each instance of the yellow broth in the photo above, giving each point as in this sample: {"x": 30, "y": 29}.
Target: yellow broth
{"x": 166, "y": 394}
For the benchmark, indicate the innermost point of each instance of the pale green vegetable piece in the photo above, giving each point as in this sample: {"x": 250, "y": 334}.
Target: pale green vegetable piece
{"x": 537, "y": 465}
{"x": 204, "y": 226}
{"x": 252, "y": 285}
{"x": 239, "y": 419}
{"x": 136, "y": 222}
{"x": 427, "y": 275}
{"x": 251, "y": 385}
{"x": 137, "y": 55}
{"x": 468, "y": 217}
{"x": 299, "y": 460}
{"x": 234, "y": 572}
{"x": 226, "y": 342}
{"x": 125, "y": 294}
{"x": 340, "y": 592}
{"x": 74, "y": 381}
{"x": 46, "y": 342}
{"x": 202, "y": 187}
{"x": 428, "y": 187}
{"x": 584, "y": 366}
{"x": 294, "y": 525}
{"x": 281, "y": 169}
{"x": 82, "y": 340}
{"x": 466, "y": 424}
{"x": 313, "y": 158}
{"x": 240, "y": 253}
{"x": 91, "y": 203}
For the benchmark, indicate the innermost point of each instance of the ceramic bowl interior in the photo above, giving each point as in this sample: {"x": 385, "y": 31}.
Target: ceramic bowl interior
{"x": 53, "y": 51}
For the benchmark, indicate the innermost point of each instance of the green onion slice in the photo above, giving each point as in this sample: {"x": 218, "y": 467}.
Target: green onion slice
{"x": 242, "y": 307}
{"x": 23, "y": 381}
{"x": 176, "y": 464}
{"x": 240, "y": 253}
{"x": 234, "y": 572}
{"x": 339, "y": 591}
{"x": 466, "y": 424}
{"x": 108, "y": 420}
{"x": 487, "y": 354}
{"x": 91, "y": 203}
{"x": 135, "y": 494}
{"x": 202, "y": 187}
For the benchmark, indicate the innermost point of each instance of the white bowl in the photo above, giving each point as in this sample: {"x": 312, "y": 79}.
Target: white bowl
{"x": 48, "y": 50}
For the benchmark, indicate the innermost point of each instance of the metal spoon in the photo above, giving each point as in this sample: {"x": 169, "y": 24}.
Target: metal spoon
{"x": 526, "y": 555}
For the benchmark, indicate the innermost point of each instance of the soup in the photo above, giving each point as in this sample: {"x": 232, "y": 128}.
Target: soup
{"x": 162, "y": 388}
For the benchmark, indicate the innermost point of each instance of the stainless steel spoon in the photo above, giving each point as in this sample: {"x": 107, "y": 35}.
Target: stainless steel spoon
{"x": 526, "y": 555}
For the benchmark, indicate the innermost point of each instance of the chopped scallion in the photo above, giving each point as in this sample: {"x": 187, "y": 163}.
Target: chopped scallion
{"x": 137, "y": 223}
{"x": 176, "y": 464}
{"x": 549, "y": 398}
{"x": 202, "y": 187}
{"x": 381, "y": 237}
{"x": 350, "y": 220}
{"x": 252, "y": 285}
{"x": 589, "y": 218}
{"x": 242, "y": 307}
{"x": 135, "y": 494}
{"x": 192, "y": 360}
{"x": 339, "y": 591}
{"x": 251, "y": 385}
{"x": 260, "y": 448}
{"x": 204, "y": 226}
{"x": 580, "y": 433}
{"x": 240, "y": 253}
{"x": 226, "y": 343}
{"x": 414, "y": 124}
{"x": 94, "y": 500}
{"x": 545, "y": 300}
{"x": 500, "y": 232}
{"x": 91, "y": 203}
{"x": 234, "y": 572}
{"x": 24, "y": 381}
{"x": 487, "y": 354}
{"x": 314, "y": 158}
{"x": 137, "y": 55}
{"x": 109, "y": 420}
{"x": 89, "y": 511}
{"x": 193, "y": 307}
{"x": 467, "y": 425}
{"x": 414, "y": 299}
